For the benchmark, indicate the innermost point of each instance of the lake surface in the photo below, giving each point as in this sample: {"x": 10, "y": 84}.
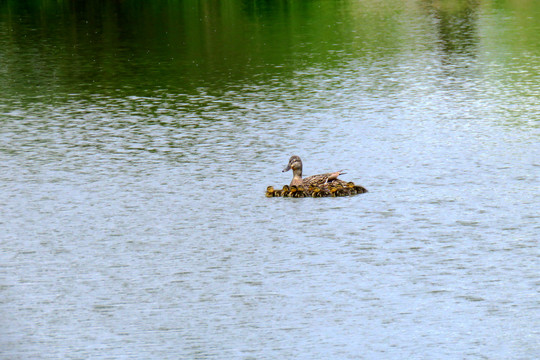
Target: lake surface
{"x": 137, "y": 140}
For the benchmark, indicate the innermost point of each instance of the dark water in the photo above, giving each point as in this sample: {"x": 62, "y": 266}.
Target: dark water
{"x": 137, "y": 139}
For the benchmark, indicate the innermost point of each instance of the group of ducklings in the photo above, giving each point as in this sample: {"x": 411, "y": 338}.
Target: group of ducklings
{"x": 326, "y": 190}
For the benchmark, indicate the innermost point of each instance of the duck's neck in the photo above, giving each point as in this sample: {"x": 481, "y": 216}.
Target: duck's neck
{"x": 297, "y": 177}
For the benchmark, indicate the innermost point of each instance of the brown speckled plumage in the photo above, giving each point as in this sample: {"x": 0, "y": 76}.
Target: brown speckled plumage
{"x": 321, "y": 185}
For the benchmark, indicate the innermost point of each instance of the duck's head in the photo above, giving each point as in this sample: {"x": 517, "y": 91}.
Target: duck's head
{"x": 350, "y": 185}
{"x": 270, "y": 191}
{"x": 294, "y": 163}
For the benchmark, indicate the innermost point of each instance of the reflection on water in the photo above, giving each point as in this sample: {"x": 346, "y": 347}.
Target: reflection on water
{"x": 137, "y": 139}
{"x": 456, "y": 23}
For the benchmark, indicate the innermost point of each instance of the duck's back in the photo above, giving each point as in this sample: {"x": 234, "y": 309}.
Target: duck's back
{"x": 321, "y": 179}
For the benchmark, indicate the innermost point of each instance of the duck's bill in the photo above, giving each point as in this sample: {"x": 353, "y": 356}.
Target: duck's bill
{"x": 287, "y": 168}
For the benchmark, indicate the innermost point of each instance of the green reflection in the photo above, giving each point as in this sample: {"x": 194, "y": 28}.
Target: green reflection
{"x": 106, "y": 45}
{"x": 54, "y": 47}
{"x": 456, "y": 24}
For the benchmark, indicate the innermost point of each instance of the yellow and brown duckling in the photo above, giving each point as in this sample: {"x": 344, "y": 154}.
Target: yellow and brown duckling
{"x": 292, "y": 191}
{"x": 360, "y": 189}
{"x": 270, "y": 192}
{"x": 351, "y": 187}
{"x": 345, "y": 190}
{"x": 301, "y": 191}
{"x": 316, "y": 191}
{"x": 356, "y": 189}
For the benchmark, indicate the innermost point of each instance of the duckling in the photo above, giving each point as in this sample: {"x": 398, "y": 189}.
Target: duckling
{"x": 270, "y": 192}
{"x": 356, "y": 189}
{"x": 344, "y": 190}
{"x": 285, "y": 191}
{"x": 323, "y": 191}
{"x": 360, "y": 189}
{"x": 292, "y": 191}
{"x": 339, "y": 189}
{"x": 351, "y": 187}
{"x": 316, "y": 191}
{"x": 333, "y": 191}
{"x": 301, "y": 191}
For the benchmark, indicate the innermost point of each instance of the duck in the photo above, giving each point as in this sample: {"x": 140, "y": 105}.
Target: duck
{"x": 295, "y": 163}
{"x": 297, "y": 191}
{"x": 351, "y": 188}
{"x": 292, "y": 191}
{"x": 321, "y": 185}
{"x": 360, "y": 189}
{"x": 315, "y": 191}
{"x": 339, "y": 190}
{"x": 301, "y": 191}
{"x": 345, "y": 190}
{"x": 270, "y": 192}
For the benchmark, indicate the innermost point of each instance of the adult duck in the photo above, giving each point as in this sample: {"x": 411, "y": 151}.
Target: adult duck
{"x": 295, "y": 163}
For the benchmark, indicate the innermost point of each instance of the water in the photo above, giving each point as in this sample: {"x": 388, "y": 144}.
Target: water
{"x": 137, "y": 141}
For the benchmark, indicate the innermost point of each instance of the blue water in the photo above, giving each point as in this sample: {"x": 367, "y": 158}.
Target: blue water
{"x": 135, "y": 226}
